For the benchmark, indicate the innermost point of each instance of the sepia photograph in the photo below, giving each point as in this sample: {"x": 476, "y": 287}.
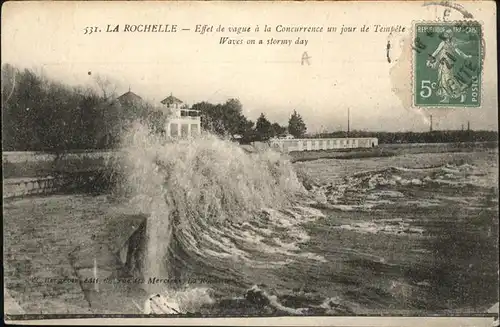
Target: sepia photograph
{"x": 304, "y": 163}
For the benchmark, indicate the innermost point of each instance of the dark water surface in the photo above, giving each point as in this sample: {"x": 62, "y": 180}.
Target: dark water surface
{"x": 418, "y": 232}
{"x": 413, "y": 234}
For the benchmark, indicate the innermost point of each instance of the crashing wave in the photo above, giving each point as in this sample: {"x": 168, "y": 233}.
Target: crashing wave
{"x": 213, "y": 206}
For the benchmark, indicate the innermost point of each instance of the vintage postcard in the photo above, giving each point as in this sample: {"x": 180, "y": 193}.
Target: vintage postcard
{"x": 250, "y": 163}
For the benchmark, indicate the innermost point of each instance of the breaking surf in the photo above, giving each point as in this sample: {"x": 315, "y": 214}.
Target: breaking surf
{"x": 234, "y": 232}
{"x": 217, "y": 214}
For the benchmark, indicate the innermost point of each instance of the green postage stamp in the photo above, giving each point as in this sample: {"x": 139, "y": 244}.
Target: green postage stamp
{"x": 447, "y": 64}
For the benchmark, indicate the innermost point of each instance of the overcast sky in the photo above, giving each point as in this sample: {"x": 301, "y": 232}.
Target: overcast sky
{"x": 345, "y": 71}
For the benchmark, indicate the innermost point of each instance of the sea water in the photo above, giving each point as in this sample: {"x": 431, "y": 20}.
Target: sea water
{"x": 406, "y": 234}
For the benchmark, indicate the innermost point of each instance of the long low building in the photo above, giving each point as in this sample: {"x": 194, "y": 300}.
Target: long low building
{"x": 289, "y": 145}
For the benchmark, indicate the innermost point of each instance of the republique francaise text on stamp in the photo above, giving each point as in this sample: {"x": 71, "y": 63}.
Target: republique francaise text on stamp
{"x": 447, "y": 64}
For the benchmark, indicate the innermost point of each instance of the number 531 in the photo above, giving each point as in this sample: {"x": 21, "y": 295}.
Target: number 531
{"x": 90, "y": 30}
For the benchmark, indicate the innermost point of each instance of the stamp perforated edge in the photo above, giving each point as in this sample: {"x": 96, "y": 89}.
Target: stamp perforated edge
{"x": 412, "y": 59}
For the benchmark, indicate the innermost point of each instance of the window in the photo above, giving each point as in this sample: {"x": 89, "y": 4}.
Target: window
{"x": 184, "y": 130}
{"x": 174, "y": 130}
{"x": 194, "y": 129}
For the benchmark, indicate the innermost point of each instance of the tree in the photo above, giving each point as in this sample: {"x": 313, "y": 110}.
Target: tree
{"x": 296, "y": 125}
{"x": 278, "y": 129}
{"x": 21, "y": 109}
{"x": 248, "y": 134}
{"x": 232, "y": 116}
{"x": 263, "y": 128}
{"x": 156, "y": 121}
{"x": 205, "y": 110}
{"x": 223, "y": 119}
{"x": 10, "y": 112}
{"x": 234, "y": 105}
{"x": 246, "y": 129}
{"x": 113, "y": 123}
{"x": 43, "y": 115}
{"x": 107, "y": 88}
{"x": 9, "y": 74}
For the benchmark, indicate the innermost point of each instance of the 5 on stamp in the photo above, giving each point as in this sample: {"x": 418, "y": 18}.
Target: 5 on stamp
{"x": 447, "y": 64}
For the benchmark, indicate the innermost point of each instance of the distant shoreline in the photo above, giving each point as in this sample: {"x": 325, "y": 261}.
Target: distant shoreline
{"x": 390, "y": 150}
{"x": 39, "y": 164}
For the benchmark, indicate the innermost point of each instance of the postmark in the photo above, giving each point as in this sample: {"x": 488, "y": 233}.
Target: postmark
{"x": 447, "y": 64}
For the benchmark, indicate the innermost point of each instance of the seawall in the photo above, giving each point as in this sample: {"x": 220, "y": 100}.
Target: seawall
{"x": 19, "y": 187}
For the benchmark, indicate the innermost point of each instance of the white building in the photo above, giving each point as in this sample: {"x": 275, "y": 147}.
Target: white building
{"x": 285, "y": 145}
{"x": 183, "y": 121}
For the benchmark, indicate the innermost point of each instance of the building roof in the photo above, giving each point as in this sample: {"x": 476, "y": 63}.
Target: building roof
{"x": 171, "y": 100}
{"x": 129, "y": 97}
